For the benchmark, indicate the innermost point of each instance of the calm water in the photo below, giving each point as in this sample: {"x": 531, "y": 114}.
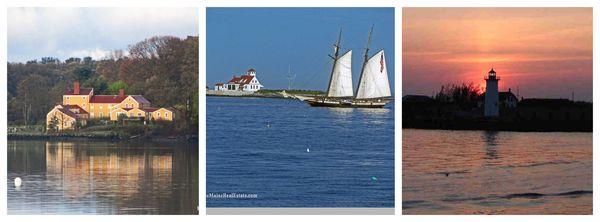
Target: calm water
{"x": 478, "y": 172}
{"x": 102, "y": 178}
{"x": 259, "y": 146}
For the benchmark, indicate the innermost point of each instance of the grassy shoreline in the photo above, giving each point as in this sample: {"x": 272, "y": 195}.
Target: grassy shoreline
{"x": 110, "y": 132}
{"x": 273, "y": 93}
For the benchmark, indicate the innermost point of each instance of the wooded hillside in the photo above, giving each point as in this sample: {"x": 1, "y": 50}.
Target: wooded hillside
{"x": 164, "y": 69}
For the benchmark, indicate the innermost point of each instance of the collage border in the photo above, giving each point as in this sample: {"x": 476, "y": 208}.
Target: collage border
{"x": 203, "y": 5}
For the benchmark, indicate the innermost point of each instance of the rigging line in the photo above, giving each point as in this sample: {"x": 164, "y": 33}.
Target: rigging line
{"x": 312, "y": 78}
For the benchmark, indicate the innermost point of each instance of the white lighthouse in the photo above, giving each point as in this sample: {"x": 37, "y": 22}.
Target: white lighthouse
{"x": 491, "y": 94}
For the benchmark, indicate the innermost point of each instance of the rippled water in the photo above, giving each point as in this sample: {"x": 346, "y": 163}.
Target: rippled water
{"x": 293, "y": 155}
{"x": 479, "y": 172}
{"x": 102, "y": 178}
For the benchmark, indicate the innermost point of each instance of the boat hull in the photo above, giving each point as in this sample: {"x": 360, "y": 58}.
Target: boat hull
{"x": 348, "y": 104}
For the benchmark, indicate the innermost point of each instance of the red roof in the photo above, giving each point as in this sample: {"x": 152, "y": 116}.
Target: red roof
{"x": 140, "y": 99}
{"x": 244, "y": 79}
{"x": 82, "y": 91}
{"x": 66, "y": 110}
{"x": 79, "y": 109}
{"x": 149, "y": 109}
{"x": 107, "y": 99}
{"x": 117, "y": 99}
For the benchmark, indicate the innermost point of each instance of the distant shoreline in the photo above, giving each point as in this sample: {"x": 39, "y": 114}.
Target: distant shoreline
{"x": 94, "y": 133}
{"x": 250, "y": 96}
{"x": 277, "y": 94}
{"x": 500, "y": 125}
{"x": 63, "y": 137}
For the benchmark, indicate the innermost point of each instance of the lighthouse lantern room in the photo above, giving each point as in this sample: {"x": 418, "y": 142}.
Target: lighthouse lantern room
{"x": 491, "y": 94}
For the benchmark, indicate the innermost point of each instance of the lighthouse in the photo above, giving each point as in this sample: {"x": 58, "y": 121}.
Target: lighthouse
{"x": 491, "y": 94}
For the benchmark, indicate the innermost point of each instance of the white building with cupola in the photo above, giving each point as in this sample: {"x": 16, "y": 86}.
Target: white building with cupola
{"x": 247, "y": 83}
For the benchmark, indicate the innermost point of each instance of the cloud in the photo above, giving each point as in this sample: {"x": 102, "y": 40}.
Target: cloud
{"x": 65, "y": 32}
{"x": 95, "y": 54}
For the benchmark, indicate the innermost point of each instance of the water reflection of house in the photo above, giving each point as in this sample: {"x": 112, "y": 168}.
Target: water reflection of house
{"x": 82, "y": 170}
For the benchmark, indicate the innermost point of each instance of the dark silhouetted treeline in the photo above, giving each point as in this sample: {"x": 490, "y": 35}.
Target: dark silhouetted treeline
{"x": 460, "y": 107}
{"x": 164, "y": 69}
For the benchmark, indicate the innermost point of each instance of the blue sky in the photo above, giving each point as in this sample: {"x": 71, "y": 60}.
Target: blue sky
{"x": 270, "y": 39}
{"x": 78, "y": 32}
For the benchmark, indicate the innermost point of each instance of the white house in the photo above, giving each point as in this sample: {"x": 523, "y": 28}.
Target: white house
{"x": 219, "y": 86}
{"x": 247, "y": 82}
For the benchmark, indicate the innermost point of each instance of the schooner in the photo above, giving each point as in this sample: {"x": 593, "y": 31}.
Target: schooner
{"x": 373, "y": 86}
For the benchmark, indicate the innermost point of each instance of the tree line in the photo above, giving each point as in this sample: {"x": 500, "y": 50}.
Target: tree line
{"x": 164, "y": 69}
{"x": 464, "y": 95}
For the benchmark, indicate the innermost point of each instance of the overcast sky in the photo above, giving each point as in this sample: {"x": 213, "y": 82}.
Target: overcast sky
{"x": 78, "y": 32}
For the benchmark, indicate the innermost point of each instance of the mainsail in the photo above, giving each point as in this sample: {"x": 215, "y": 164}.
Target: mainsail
{"x": 374, "y": 80}
{"x": 341, "y": 77}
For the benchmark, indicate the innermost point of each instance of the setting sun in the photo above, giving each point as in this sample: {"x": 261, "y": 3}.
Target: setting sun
{"x": 546, "y": 53}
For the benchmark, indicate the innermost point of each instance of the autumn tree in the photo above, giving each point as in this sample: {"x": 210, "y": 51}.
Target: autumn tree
{"x": 114, "y": 87}
{"x": 163, "y": 68}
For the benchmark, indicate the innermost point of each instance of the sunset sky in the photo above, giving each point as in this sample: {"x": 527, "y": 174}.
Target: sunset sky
{"x": 546, "y": 53}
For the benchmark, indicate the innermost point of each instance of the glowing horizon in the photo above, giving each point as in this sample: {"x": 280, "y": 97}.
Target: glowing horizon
{"x": 544, "y": 52}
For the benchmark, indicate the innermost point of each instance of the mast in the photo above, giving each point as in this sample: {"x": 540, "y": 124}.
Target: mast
{"x": 290, "y": 77}
{"x": 336, "y": 50}
{"x": 366, "y": 58}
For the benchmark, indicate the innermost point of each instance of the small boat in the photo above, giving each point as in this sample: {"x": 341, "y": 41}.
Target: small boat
{"x": 373, "y": 86}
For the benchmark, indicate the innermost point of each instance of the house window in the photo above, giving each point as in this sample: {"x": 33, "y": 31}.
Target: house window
{"x": 100, "y": 115}
{"x": 84, "y": 97}
{"x": 166, "y": 114}
{"x": 139, "y": 114}
{"x": 92, "y": 106}
{"x": 67, "y": 98}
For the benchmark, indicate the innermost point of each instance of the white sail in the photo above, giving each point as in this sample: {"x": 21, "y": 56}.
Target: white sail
{"x": 374, "y": 81}
{"x": 341, "y": 78}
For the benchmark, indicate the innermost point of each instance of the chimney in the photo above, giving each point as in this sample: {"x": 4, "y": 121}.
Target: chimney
{"x": 121, "y": 92}
{"x": 76, "y": 88}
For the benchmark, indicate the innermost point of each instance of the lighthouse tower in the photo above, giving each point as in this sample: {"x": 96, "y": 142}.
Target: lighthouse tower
{"x": 491, "y": 94}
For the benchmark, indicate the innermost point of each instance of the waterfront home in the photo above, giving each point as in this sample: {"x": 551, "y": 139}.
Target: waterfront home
{"x": 247, "y": 83}
{"x": 80, "y": 104}
{"x": 505, "y": 99}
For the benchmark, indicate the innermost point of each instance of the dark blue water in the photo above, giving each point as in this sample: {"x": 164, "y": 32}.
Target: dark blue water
{"x": 258, "y": 146}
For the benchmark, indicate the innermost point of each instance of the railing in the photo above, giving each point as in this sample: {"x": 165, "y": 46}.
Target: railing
{"x": 491, "y": 77}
